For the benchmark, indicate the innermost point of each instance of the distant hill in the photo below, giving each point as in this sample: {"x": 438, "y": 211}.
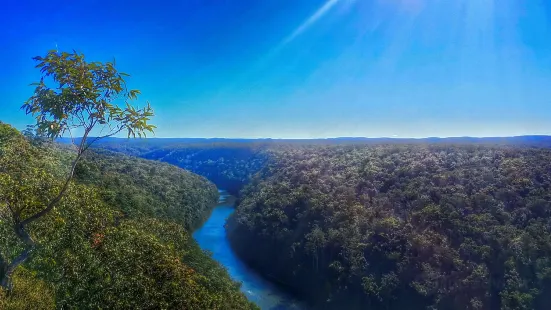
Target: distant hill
{"x": 532, "y": 140}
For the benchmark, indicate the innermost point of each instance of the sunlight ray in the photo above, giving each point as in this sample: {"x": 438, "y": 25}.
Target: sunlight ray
{"x": 309, "y": 22}
{"x": 265, "y": 59}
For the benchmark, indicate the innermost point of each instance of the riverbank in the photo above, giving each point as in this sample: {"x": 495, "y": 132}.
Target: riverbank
{"x": 212, "y": 237}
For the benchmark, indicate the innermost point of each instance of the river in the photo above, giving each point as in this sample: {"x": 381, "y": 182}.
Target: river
{"x": 212, "y": 237}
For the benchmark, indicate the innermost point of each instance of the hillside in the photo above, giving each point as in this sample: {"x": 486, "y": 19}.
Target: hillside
{"x": 231, "y": 163}
{"x": 402, "y": 226}
{"x": 120, "y": 239}
{"x": 143, "y": 188}
{"x": 228, "y": 165}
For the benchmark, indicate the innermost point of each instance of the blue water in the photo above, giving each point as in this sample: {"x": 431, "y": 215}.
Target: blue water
{"x": 212, "y": 237}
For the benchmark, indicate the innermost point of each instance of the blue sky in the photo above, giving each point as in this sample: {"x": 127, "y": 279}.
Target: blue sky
{"x": 303, "y": 68}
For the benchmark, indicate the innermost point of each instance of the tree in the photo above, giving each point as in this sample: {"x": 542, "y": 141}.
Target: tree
{"x": 85, "y": 97}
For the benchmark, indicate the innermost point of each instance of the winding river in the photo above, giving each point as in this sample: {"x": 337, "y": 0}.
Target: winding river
{"x": 212, "y": 237}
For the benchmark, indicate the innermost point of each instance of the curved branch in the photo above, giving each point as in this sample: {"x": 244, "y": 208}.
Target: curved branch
{"x": 102, "y": 137}
{"x": 57, "y": 199}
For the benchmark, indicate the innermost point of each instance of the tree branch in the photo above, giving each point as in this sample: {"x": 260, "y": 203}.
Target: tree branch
{"x": 55, "y": 201}
{"x": 102, "y": 137}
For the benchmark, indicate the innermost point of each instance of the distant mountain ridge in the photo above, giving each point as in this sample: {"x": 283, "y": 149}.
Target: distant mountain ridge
{"x": 530, "y": 140}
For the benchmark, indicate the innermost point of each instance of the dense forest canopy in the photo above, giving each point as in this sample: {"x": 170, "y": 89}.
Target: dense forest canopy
{"x": 231, "y": 163}
{"x": 402, "y": 226}
{"x": 116, "y": 240}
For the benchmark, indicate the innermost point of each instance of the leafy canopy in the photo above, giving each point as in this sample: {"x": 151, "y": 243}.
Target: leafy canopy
{"x": 87, "y": 94}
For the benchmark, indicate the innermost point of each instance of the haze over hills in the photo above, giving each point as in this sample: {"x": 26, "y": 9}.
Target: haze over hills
{"x": 532, "y": 140}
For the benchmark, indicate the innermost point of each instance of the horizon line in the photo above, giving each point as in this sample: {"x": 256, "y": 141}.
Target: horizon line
{"x": 329, "y": 138}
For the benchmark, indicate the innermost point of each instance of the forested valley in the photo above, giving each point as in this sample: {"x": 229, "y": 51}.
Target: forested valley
{"x": 120, "y": 239}
{"x": 230, "y": 165}
{"x": 343, "y": 225}
{"x": 456, "y": 225}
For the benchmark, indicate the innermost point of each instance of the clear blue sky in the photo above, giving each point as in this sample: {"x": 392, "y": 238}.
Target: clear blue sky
{"x": 303, "y": 68}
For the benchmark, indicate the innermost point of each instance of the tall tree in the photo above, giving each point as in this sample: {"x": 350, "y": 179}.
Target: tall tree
{"x": 73, "y": 97}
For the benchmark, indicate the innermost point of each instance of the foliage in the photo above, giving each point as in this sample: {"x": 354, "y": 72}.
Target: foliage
{"x": 402, "y": 226}
{"x": 29, "y": 293}
{"x": 84, "y": 96}
{"x": 97, "y": 250}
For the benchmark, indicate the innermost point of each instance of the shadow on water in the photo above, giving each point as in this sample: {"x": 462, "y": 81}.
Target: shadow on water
{"x": 212, "y": 237}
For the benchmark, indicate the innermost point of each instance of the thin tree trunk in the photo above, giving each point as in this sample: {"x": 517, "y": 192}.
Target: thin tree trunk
{"x": 8, "y": 269}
